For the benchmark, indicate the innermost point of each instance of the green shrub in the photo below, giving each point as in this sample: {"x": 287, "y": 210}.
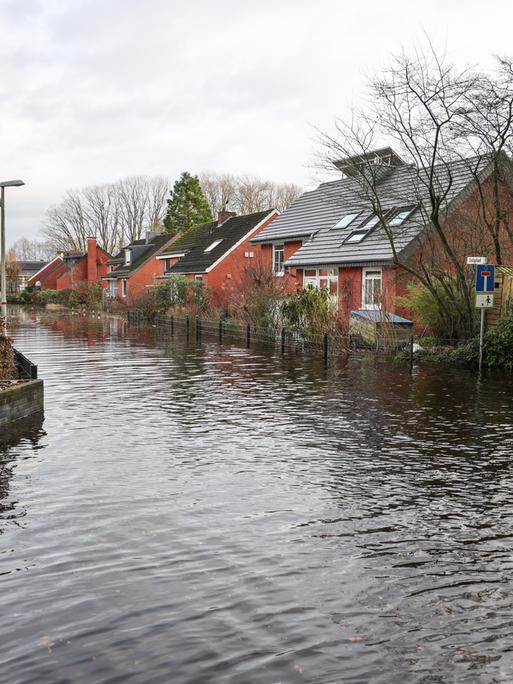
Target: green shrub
{"x": 72, "y": 300}
{"x": 497, "y": 350}
{"x": 183, "y": 292}
{"x": 310, "y": 310}
{"x": 498, "y": 345}
{"x": 444, "y": 322}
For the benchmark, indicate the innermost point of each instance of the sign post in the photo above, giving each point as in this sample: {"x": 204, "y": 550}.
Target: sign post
{"x": 485, "y": 287}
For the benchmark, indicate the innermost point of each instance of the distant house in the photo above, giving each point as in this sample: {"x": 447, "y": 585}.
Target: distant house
{"x": 217, "y": 252}
{"x": 331, "y": 238}
{"x": 71, "y": 270}
{"x": 22, "y": 273}
{"x": 135, "y": 267}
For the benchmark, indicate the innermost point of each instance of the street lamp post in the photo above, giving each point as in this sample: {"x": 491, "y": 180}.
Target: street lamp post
{"x": 3, "y": 274}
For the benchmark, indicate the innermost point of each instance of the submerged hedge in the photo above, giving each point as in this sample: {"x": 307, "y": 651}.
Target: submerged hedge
{"x": 497, "y": 350}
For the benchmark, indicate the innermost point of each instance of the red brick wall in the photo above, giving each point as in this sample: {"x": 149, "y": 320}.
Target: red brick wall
{"x": 48, "y": 276}
{"x": 144, "y": 277}
{"x": 226, "y": 276}
{"x": 292, "y": 276}
{"x": 75, "y": 277}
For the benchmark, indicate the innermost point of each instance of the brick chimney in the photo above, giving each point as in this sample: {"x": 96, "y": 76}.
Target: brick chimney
{"x": 223, "y": 216}
{"x": 92, "y": 267}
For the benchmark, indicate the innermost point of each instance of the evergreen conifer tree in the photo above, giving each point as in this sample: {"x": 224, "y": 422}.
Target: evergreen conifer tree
{"x": 186, "y": 206}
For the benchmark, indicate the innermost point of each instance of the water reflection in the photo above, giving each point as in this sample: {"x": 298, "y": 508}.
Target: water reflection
{"x": 21, "y": 435}
{"x": 216, "y": 514}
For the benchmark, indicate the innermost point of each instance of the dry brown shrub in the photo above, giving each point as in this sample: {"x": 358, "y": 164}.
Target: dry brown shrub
{"x": 7, "y": 367}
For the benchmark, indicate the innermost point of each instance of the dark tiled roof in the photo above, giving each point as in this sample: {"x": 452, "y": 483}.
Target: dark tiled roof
{"x": 195, "y": 241}
{"x": 30, "y": 266}
{"x": 142, "y": 250}
{"x": 315, "y": 213}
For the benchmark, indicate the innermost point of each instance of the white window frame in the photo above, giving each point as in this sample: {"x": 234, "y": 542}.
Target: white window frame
{"x": 113, "y": 289}
{"x": 278, "y": 247}
{"x": 213, "y": 245}
{"x": 316, "y": 280}
{"x": 123, "y": 287}
{"x": 365, "y": 271}
{"x": 346, "y": 220}
{"x": 128, "y": 256}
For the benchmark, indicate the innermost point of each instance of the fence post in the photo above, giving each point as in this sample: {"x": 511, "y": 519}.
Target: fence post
{"x": 198, "y": 328}
{"x": 411, "y": 353}
{"x": 187, "y": 326}
{"x": 172, "y": 325}
{"x": 283, "y": 334}
{"x": 248, "y": 335}
{"x": 325, "y": 349}
{"x": 220, "y": 331}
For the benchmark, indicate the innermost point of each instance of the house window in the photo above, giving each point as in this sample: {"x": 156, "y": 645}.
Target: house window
{"x": 128, "y": 257}
{"x": 167, "y": 264}
{"x": 249, "y": 255}
{"x": 113, "y": 288}
{"x": 198, "y": 277}
{"x": 213, "y": 245}
{"x": 323, "y": 278}
{"x": 371, "y": 288}
{"x": 123, "y": 287}
{"x": 346, "y": 220}
{"x": 278, "y": 258}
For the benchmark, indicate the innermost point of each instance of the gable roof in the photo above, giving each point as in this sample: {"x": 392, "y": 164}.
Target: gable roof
{"x": 142, "y": 250}
{"x": 194, "y": 243}
{"x": 46, "y": 270}
{"x": 314, "y": 214}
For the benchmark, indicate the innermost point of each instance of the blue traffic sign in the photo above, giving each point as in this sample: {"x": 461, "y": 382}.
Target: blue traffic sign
{"x": 485, "y": 278}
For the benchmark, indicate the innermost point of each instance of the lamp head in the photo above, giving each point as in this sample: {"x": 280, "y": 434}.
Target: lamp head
{"x": 11, "y": 183}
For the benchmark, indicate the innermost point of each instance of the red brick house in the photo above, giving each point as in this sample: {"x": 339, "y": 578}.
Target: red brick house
{"x": 136, "y": 266}
{"x": 217, "y": 252}
{"x": 71, "y": 270}
{"x": 331, "y": 238}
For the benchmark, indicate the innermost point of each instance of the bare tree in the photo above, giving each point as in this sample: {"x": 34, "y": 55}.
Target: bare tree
{"x": 115, "y": 213}
{"x": 12, "y": 271}
{"x": 158, "y": 190}
{"x": 487, "y": 131}
{"x": 246, "y": 194}
{"x": 32, "y": 250}
{"x": 424, "y": 107}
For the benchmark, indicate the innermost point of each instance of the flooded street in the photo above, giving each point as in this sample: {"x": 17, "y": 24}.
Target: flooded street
{"x": 191, "y": 513}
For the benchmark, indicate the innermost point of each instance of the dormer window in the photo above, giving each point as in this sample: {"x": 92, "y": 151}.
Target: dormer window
{"x": 128, "y": 256}
{"x": 213, "y": 245}
{"x": 346, "y": 220}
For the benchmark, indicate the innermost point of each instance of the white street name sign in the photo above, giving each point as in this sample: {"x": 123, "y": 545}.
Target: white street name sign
{"x": 475, "y": 260}
{"x": 484, "y": 301}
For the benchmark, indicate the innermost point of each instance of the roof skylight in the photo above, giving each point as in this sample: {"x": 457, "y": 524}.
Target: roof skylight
{"x": 346, "y": 220}
{"x": 213, "y": 245}
{"x": 357, "y": 235}
{"x": 399, "y": 216}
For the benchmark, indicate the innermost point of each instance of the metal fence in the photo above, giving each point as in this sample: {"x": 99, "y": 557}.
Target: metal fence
{"x": 226, "y": 330}
{"x": 26, "y": 369}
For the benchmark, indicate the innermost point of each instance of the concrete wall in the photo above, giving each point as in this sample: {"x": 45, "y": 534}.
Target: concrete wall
{"x": 20, "y": 401}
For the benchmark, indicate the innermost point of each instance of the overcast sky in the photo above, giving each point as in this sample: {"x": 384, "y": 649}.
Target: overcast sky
{"x": 95, "y": 90}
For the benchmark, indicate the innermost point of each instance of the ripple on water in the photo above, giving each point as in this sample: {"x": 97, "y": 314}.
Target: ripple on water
{"x": 196, "y": 513}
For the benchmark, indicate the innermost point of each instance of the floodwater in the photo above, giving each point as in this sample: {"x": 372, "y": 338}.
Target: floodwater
{"x": 196, "y": 513}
